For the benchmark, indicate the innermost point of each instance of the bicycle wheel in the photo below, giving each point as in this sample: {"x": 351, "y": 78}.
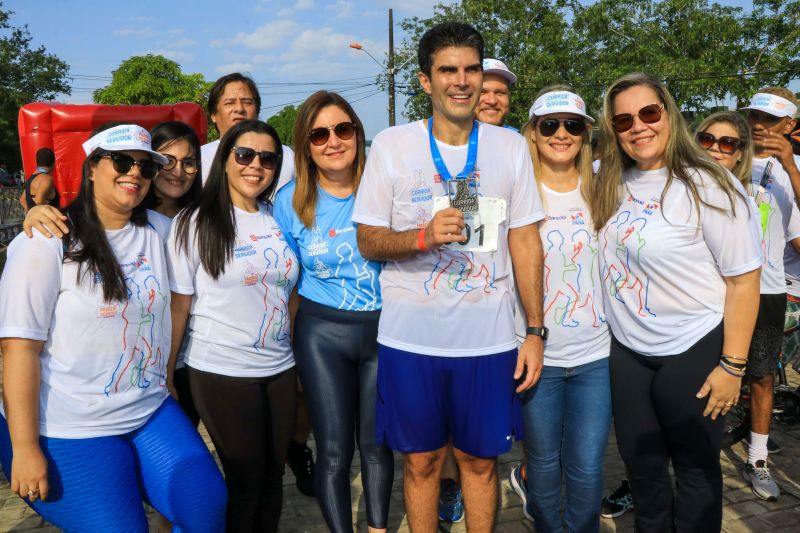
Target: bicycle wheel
{"x": 786, "y": 405}
{"x": 737, "y": 425}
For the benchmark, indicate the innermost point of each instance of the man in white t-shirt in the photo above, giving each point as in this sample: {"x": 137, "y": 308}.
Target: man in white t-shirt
{"x": 232, "y": 99}
{"x": 495, "y": 101}
{"x": 456, "y": 242}
{"x": 776, "y": 184}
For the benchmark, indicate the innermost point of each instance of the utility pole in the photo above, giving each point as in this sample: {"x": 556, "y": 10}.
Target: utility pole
{"x": 390, "y": 69}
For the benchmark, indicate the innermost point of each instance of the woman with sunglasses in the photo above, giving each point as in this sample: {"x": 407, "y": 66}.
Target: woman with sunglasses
{"x": 567, "y": 414}
{"x": 231, "y": 274}
{"x": 726, "y": 137}
{"x": 680, "y": 258}
{"x": 336, "y": 329}
{"x": 89, "y": 430}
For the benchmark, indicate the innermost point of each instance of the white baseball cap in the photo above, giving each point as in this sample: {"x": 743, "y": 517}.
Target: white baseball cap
{"x": 559, "y": 102}
{"x": 772, "y": 104}
{"x": 121, "y": 138}
{"x": 495, "y": 66}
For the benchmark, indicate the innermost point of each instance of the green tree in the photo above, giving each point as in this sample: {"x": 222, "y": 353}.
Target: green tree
{"x": 152, "y": 79}
{"x": 283, "y": 122}
{"x": 26, "y": 75}
{"x": 703, "y": 51}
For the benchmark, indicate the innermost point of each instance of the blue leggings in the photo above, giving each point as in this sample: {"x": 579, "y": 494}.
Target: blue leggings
{"x": 98, "y": 484}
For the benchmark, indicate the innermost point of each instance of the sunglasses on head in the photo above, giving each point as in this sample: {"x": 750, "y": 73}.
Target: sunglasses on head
{"x": 245, "y": 156}
{"x": 343, "y": 130}
{"x": 123, "y": 163}
{"x": 574, "y": 126}
{"x": 727, "y": 145}
{"x": 649, "y": 114}
{"x": 190, "y": 165}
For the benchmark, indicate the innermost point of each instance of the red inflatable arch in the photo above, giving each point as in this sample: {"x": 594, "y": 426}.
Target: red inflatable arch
{"x": 64, "y": 127}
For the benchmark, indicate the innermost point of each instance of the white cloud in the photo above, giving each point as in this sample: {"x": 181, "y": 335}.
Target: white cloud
{"x": 342, "y": 8}
{"x": 266, "y": 37}
{"x": 325, "y": 42}
{"x": 175, "y": 55}
{"x": 183, "y": 43}
{"x": 233, "y": 67}
{"x": 140, "y": 33}
{"x": 312, "y": 70}
{"x": 285, "y": 12}
{"x": 303, "y": 5}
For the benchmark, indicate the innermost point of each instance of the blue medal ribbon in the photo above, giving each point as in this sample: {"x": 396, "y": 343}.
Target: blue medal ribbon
{"x": 472, "y": 154}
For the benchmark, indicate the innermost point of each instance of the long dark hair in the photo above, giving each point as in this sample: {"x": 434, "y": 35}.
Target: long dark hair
{"x": 86, "y": 242}
{"x": 215, "y": 227}
{"x": 305, "y": 171}
{"x": 164, "y": 134}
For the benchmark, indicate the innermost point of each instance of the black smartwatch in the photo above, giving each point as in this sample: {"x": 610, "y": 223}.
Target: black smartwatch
{"x": 539, "y": 332}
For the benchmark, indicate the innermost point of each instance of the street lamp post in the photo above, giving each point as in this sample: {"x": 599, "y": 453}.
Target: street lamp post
{"x": 389, "y": 68}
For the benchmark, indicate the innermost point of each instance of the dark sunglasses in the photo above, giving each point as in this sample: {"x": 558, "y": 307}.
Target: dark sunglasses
{"x": 123, "y": 163}
{"x": 549, "y": 127}
{"x": 649, "y": 114}
{"x": 343, "y": 130}
{"x": 727, "y": 145}
{"x": 190, "y": 165}
{"x": 245, "y": 156}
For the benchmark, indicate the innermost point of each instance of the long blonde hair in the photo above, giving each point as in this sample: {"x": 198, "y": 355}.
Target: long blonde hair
{"x": 583, "y": 162}
{"x": 682, "y": 155}
{"x": 304, "y": 200}
{"x": 744, "y": 166}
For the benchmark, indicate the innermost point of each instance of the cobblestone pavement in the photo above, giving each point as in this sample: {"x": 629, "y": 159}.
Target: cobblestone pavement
{"x": 743, "y": 511}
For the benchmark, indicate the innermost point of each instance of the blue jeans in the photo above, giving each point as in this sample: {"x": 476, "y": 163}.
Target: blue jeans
{"x": 567, "y": 416}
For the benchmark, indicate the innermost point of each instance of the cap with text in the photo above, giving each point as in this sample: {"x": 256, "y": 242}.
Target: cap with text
{"x": 495, "y": 66}
{"x": 122, "y": 138}
{"x": 772, "y": 104}
{"x": 559, "y": 102}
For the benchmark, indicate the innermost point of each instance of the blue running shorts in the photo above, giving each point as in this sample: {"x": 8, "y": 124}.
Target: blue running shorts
{"x": 425, "y": 400}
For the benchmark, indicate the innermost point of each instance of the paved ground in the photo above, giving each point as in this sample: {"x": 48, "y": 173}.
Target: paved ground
{"x": 743, "y": 512}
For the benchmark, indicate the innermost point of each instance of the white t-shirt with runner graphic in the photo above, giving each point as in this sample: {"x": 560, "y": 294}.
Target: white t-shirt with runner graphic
{"x": 446, "y": 302}
{"x": 573, "y": 297}
{"x": 238, "y": 324}
{"x": 775, "y": 210}
{"x": 662, "y": 272}
{"x": 103, "y": 364}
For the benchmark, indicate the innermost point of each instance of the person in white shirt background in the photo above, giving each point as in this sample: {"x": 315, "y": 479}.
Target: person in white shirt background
{"x": 679, "y": 258}
{"x": 773, "y": 188}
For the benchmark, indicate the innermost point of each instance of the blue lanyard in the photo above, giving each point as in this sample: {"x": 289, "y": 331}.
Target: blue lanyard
{"x": 40, "y": 170}
{"x": 472, "y": 154}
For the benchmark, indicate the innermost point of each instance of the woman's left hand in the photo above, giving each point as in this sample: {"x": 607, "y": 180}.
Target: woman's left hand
{"x": 724, "y": 392}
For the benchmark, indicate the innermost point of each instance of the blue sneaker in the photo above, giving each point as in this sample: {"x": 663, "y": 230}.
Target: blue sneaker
{"x": 521, "y": 488}
{"x": 451, "y": 503}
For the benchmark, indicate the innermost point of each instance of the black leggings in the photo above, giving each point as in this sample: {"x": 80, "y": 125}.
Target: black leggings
{"x": 250, "y": 423}
{"x": 658, "y": 418}
{"x": 337, "y": 361}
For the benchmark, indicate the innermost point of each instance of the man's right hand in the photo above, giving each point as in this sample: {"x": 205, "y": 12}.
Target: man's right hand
{"x": 446, "y": 226}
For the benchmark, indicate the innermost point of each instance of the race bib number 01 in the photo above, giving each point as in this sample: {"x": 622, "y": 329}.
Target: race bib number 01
{"x": 482, "y": 228}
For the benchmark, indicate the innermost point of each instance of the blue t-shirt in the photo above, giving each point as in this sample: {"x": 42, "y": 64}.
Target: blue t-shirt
{"x": 334, "y": 273}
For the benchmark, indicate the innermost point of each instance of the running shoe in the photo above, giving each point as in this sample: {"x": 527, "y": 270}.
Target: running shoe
{"x": 761, "y": 481}
{"x": 772, "y": 446}
{"x": 618, "y": 502}
{"x": 451, "y": 502}
{"x": 301, "y": 461}
{"x": 521, "y": 488}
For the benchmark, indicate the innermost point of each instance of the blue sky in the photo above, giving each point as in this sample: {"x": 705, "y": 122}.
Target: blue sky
{"x": 279, "y": 43}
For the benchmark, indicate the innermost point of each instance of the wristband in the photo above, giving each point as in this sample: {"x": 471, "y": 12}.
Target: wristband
{"x": 421, "y": 240}
{"x": 731, "y": 372}
{"x": 724, "y": 356}
{"x": 737, "y": 366}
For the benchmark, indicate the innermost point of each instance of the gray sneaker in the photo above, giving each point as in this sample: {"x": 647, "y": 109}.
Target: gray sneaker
{"x": 761, "y": 481}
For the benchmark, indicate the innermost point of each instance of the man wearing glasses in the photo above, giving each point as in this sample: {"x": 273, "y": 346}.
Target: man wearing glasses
{"x": 775, "y": 186}
{"x": 451, "y": 205}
